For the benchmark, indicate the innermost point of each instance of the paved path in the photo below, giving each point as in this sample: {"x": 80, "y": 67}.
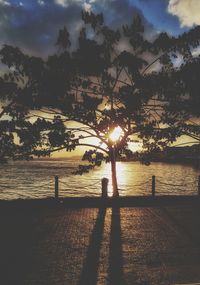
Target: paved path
{"x": 89, "y": 246}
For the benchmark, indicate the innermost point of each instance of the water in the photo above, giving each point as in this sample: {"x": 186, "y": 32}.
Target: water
{"x": 35, "y": 179}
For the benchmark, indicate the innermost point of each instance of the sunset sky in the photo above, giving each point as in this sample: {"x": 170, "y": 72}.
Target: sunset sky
{"x": 33, "y": 25}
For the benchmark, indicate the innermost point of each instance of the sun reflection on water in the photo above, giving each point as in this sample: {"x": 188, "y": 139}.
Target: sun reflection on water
{"x": 122, "y": 176}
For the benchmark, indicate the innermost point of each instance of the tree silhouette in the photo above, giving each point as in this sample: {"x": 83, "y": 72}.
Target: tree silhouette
{"x": 117, "y": 87}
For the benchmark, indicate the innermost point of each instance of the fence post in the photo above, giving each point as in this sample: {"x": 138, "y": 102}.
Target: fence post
{"x": 56, "y": 187}
{"x": 153, "y": 185}
{"x": 199, "y": 185}
{"x": 104, "y": 187}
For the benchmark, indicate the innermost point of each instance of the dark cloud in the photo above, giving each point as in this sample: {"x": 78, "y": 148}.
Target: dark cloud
{"x": 117, "y": 12}
{"x": 35, "y": 29}
{"x": 34, "y": 26}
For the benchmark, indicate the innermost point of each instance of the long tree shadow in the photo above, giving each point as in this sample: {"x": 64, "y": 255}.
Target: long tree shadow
{"x": 115, "y": 252}
{"x": 89, "y": 272}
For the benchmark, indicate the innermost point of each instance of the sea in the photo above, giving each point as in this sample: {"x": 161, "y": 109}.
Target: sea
{"x": 36, "y": 179}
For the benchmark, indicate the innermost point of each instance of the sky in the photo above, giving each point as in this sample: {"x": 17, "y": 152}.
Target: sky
{"x": 33, "y": 25}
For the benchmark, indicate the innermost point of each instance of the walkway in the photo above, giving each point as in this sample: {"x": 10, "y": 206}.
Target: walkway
{"x": 46, "y": 245}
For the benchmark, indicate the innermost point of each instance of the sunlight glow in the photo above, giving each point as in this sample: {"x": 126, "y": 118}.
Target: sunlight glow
{"x": 123, "y": 178}
{"x": 116, "y": 134}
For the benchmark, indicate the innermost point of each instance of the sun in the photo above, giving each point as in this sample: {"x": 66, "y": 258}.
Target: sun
{"x": 116, "y": 134}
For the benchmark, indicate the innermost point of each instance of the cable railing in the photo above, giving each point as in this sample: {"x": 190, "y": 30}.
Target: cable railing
{"x": 191, "y": 187}
{"x": 77, "y": 191}
{"x": 60, "y": 188}
{"x": 152, "y": 183}
{"x": 26, "y": 190}
{"x": 126, "y": 189}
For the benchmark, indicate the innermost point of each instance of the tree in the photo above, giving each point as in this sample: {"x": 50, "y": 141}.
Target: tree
{"x": 115, "y": 96}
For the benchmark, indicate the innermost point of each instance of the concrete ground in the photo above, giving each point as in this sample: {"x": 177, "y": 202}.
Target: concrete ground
{"x": 44, "y": 245}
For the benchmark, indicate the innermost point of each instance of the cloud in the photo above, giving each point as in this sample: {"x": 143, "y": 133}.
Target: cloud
{"x": 34, "y": 26}
{"x": 41, "y": 2}
{"x": 63, "y": 3}
{"x": 67, "y": 3}
{"x": 4, "y": 3}
{"x": 186, "y": 10}
{"x": 87, "y": 7}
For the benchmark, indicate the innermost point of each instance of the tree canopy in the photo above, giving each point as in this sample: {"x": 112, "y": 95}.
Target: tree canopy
{"x": 116, "y": 85}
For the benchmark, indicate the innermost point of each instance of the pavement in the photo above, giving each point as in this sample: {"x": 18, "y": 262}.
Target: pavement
{"x": 58, "y": 245}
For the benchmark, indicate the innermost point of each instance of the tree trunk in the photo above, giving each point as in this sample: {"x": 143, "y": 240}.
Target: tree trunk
{"x": 114, "y": 174}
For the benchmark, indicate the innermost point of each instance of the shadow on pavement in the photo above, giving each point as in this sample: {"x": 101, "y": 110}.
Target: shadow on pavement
{"x": 89, "y": 272}
{"x": 115, "y": 253}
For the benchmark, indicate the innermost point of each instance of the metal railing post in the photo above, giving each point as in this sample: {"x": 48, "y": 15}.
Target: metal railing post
{"x": 104, "y": 187}
{"x": 56, "y": 187}
{"x": 153, "y": 185}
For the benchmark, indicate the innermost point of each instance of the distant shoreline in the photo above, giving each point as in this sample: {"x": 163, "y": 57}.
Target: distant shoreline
{"x": 183, "y": 161}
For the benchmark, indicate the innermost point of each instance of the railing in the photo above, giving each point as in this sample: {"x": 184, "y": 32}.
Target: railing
{"x": 104, "y": 185}
{"x": 8, "y": 191}
{"x": 155, "y": 183}
{"x": 58, "y": 182}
